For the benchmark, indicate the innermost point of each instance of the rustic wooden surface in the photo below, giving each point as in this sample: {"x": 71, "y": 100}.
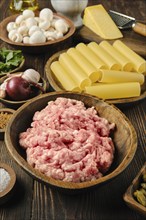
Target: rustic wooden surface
{"x": 33, "y": 200}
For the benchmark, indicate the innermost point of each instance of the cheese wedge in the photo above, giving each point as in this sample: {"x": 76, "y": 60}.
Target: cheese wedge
{"x": 99, "y": 21}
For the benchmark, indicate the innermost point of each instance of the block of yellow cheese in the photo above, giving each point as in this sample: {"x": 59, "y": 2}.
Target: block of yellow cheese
{"x": 99, "y": 21}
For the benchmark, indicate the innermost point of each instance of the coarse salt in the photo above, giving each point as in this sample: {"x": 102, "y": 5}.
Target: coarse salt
{"x": 4, "y": 179}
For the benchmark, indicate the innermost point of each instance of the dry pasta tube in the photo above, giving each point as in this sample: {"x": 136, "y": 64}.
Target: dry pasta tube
{"x": 63, "y": 77}
{"x": 113, "y": 76}
{"x": 92, "y": 57}
{"x": 124, "y": 61}
{"x": 115, "y": 90}
{"x": 74, "y": 70}
{"x": 87, "y": 67}
{"x": 138, "y": 62}
{"x": 108, "y": 59}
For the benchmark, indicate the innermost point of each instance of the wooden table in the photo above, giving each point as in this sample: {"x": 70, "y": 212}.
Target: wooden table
{"x": 35, "y": 201}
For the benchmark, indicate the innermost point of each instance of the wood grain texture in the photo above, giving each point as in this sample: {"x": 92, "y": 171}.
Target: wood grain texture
{"x": 33, "y": 200}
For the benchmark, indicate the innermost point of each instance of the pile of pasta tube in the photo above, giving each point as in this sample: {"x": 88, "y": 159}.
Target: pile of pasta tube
{"x": 108, "y": 71}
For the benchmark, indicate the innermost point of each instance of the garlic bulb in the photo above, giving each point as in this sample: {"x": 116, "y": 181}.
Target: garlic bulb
{"x": 31, "y": 75}
{"x": 37, "y": 37}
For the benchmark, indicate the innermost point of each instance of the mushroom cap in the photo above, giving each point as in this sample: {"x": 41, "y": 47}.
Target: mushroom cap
{"x": 11, "y": 26}
{"x": 19, "y": 19}
{"x": 46, "y": 14}
{"x": 61, "y": 26}
{"x": 33, "y": 29}
{"x": 30, "y": 22}
{"x": 28, "y": 13}
{"x": 45, "y": 24}
{"x": 37, "y": 37}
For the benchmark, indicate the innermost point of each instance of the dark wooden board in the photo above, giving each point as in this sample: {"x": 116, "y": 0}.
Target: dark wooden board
{"x": 133, "y": 40}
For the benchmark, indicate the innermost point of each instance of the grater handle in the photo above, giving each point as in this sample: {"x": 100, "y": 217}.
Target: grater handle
{"x": 139, "y": 28}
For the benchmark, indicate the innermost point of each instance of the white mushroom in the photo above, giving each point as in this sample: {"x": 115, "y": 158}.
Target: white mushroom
{"x": 31, "y": 75}
{"x": 44, "y": 24}
{"x": 51, "y": 35}
{"x": 61, "y": 26}
{"x": 28, "y": 13}
{"x": 38, "y": 19}
{"x": 19, "y": 19}
{"x": 23, "y": 30}
{"x": 59, "y": 34}
{"x": 26, "y": 40}
{"x": 33, "y": 29}
{"x": 11, "y": 33}
{"x": 16, "y": 37}
{"x": 11, "y": 26}
{"x": 46, "y": 14}
{"x": 30, "y": 22}
{"x": 37, "y": 37}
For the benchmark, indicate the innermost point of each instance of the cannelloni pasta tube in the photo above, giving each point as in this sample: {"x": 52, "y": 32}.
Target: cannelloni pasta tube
{"x": 138, "y": 62}
{"x": 74, "y": 70}
{"x": 92, "y": 57}
{"x": 102, "y": 53}
{"x": 88, "y": 68}
{"x": 124, "y": 61}
{"x": 63, "y": 77}
{"x": 114, "y": 90}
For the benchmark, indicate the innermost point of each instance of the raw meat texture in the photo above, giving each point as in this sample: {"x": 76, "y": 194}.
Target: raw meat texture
{"x": 69, "y": 142}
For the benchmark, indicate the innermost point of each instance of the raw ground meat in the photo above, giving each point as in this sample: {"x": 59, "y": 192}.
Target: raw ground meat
{"x": 69, "y": 142}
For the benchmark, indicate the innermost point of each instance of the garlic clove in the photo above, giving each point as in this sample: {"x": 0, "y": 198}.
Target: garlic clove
{"x": 28, "y": 14}
{"x": 37, "y": 37}
{"x": 46, "y": 14}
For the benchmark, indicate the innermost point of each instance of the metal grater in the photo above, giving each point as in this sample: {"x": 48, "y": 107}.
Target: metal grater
{"x": 121, "y": 20}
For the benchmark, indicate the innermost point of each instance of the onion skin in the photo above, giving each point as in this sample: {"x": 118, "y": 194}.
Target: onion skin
{"x": 18, "y": 89}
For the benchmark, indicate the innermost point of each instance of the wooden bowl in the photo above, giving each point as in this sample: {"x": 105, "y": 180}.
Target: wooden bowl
{"x": 16, "y": 104}
{"x": 129, "y": 197}
{"x": 14, "y": 70}
{"x": 6, "y": 194}
{"x": 124, "y": 137}
{"x": 40, "y": 47}
{"x": 56, "y": 86}
{"x": 4, "y": 112}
